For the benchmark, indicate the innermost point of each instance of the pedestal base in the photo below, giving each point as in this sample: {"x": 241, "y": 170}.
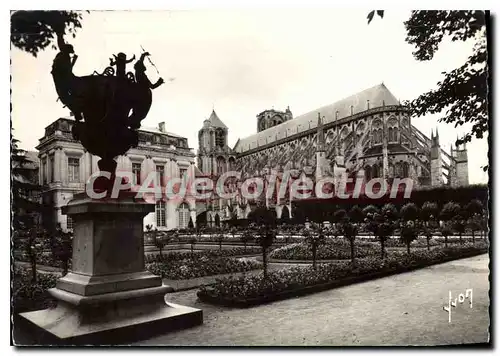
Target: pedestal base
{"x": 66, "y": 325}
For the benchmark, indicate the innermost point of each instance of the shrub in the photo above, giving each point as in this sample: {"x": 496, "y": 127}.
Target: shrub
{"x": 28, "y": 295}
{"x": 331, "y": 250}
{"x": 257, "y": 287}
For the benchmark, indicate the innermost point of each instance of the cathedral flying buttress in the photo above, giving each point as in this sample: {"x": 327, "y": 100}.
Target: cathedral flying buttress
{"x": 367, "y": 135}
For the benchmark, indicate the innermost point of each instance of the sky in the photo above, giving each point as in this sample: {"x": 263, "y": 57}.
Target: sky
{"x": 241, "y": 62}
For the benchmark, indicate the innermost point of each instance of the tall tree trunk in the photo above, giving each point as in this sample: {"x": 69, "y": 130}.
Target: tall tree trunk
{"x": 192, "y": 251}
{"x": 314, "y": 256}
{"x": 352, "y": 251}
{"x": 161, "y": 254}
{"x": 408, "y": 248}
{"x": 33, "y": 266}
{"x": 473, "y": 237}
{"x": 245, "y": 244}
{"x": 220, "y": 245}
{"x": 264, "y": 262}
{"x": 428, "y": 243}
{"x": 460, "y": 237}
{"x": 382, "y": 247}
{"x": 446, "y": 241}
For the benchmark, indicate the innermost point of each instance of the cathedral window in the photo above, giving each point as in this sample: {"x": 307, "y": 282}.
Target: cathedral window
{"x": 219, "y": 138}
{"x": 375, "y": 171}
{"x": 221, "y": 165}
{"x": 368, "y": 172}
{"x": 406, "y": 170}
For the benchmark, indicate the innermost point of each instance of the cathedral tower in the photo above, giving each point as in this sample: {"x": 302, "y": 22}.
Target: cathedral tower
{"x": 270, "y": 118}
{"x": 214, "y": 155}
{"x": 460, "y": 165}
{"x": 436, "y": 161}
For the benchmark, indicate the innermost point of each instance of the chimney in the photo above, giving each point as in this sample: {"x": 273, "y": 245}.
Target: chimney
{"x": 161, "y": 126}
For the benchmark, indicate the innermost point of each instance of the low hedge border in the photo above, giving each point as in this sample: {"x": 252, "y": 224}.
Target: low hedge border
{"x": 246, "y": 303}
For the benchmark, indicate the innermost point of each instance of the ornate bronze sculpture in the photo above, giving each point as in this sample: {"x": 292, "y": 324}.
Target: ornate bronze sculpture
{"x": 108, "y": 109}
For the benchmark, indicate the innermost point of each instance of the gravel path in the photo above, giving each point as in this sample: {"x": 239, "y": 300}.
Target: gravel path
{"x": 405, "y": 309}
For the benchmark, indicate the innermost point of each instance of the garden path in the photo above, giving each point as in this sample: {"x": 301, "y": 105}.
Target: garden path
{"x": 404, "y": 309}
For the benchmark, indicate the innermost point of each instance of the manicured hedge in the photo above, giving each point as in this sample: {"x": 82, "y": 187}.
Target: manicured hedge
{"x": 287, "y": 283}
{"x": 200, "y": 265}
{"x": 333, "y": 249}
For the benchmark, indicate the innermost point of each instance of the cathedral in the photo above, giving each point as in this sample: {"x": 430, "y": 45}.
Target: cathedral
{"x": 368, "y": 134}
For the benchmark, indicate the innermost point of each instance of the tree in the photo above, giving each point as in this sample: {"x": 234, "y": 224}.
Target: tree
{"x": 450, "y": 211}
{"x": 34, "y": 244}
{"x": 409, "y": 212}
{"x": 446, "y": 232}
{"x": 217, "y": 220}
{"x": 285, "y": 215}
{"x": 350, "y": 231}
{"x": 221, "y": 236}
{"x": 429, "y": 211}
{"x": 265, "y": 239}
{"x": 158, "y": 240}
{"x": 463, "y": 91}
{"x": 474, "y": 207}
{"x": 356, "y": 214}
{"x": 427, "y": 232}
{"x": 33, "y": 31}
{"x": 409, "y": 233}
{"x": 314, "y": 237}
{"x": 459, "y": 225}
{"x": 473, "y": 225}
{"x": 192, "y": 240}
{"x": 382, "y": 226}
{"x": 245, "y": 237}
{"x": 61, "y": 244}
{"x": 339, "y": 215}
{"x": 25, "y": 204}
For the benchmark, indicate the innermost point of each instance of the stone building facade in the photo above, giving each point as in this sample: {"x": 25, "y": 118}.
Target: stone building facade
{"x": 65, "y": 167}
{"x": 369, "y": 134}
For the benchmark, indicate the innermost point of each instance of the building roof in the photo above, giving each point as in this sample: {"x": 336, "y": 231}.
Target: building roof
{"x": 214, "y": 120}
{"x": 378, "y": 96}
{"x": 156, "y": 130}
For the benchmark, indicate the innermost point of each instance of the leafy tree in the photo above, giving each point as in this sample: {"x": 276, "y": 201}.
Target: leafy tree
{"x": 429, "y": 211}
{"x": 25, "y": 204}
{"x": 382, "y": 226}
{"x": 221, "y": 236}
{"x": 245, "y": 237}
{"x": 409, "y": 212}
{"x": 159, "y": 241}
{"x": 350, "y": 231}
{"x": 446, "y": 232}
{"x": 265, "y": 239}
{"x": 450, "y": 211}
{"x": 356, "y": 214}
{"x": 314, "y": 238}
{"x": 459, "y": 225}
{"x": 370, "y": 210}
{"x": 409, "y": 233}
{"x": 62, "y": 248}
{"x": 427, "y": 232}
{"x": 463, "y": 91}
{"x": 339, "y": 215}
{"x": 33, "y": 31}
{"x": 474, "y": 207}
{"x": 473, "y": 224}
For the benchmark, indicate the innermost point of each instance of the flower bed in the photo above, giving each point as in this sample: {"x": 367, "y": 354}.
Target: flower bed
{"x": 396, "y": 242}
{"x": 252, "y": 290}
{"x": 334, "y": 249}
{"x": 28, "y": 296}
{"x": 199, "y": 265}
{"x": 42, "y": 258}
{"x": 214, "y": 253}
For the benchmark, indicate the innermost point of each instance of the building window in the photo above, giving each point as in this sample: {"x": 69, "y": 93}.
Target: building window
{"x": 52, "y": 168}
{"x": 160, "y": 174}
{"x": 44, "y": 171}
{"x": 219, "y": 138}
{"x": 161, "y": 220}
{"x": 73, "y": 169}
{"x": 69, "y": 223}
{"x": 183, "y": 216}
{"x": 136, "y": 173}
{"x": 183, "y": 172}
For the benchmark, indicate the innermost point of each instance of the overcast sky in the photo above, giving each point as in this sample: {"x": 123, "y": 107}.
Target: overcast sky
{"x": 243, "y": 62}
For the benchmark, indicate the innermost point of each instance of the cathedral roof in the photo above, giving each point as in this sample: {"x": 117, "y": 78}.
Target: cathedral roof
{"x": 215, "y": 121}
{"x": 378, "y": 96}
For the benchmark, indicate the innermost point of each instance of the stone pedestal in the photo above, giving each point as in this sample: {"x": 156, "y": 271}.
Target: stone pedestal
{"x": 109, "y": 297}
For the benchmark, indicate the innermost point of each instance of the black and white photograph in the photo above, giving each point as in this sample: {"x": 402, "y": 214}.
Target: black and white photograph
{"x": 272, "y": 177}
